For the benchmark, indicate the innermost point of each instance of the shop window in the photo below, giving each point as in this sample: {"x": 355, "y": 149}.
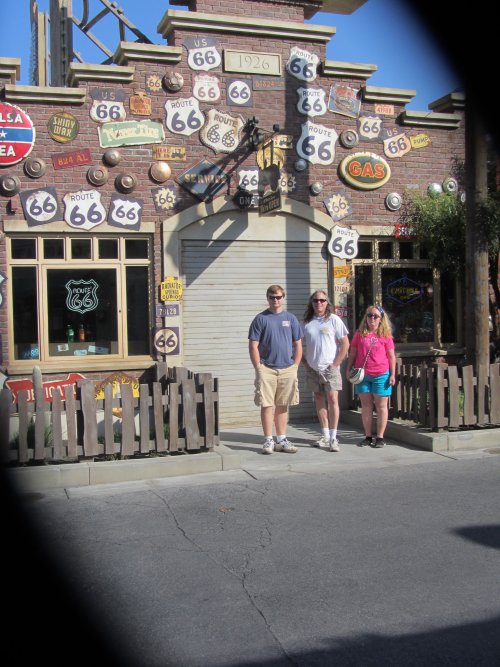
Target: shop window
{"x": 423, "y": 306}
{"x": 76, "y": 308}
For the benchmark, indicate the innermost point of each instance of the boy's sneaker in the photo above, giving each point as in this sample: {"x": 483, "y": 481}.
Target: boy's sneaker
{"x": 379, "y": 442}
{"x": 268, "y": 447}
{"x": 334, "y": 445}
{"x": 285, "y": 446}
{"x": 322, "y": 442}
{"x": 367, "y": 441}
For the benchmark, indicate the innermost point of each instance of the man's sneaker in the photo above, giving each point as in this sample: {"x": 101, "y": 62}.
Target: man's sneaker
{"x": 367, "y": 441}
{"x": 379, "y": 442}
{"x": 268, "y": 447}
{"x": 322, "y": 442}
{"x": 285, "y": 446}
{"x": 334, "y": 445}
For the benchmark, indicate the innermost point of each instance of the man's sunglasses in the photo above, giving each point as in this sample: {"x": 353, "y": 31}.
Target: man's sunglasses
{"x": 319, "y": 300}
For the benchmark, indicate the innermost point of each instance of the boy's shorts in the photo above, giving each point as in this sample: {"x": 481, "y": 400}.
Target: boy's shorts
{"x": 378, "y": 385}
{"x": 328, "y": 380}
{"x": 276, "y": 386}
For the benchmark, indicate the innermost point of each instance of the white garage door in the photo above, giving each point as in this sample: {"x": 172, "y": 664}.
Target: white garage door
{"x": 226, "y": 284}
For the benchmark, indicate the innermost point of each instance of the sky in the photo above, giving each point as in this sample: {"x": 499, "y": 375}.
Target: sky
{"x": 381, "y": 32}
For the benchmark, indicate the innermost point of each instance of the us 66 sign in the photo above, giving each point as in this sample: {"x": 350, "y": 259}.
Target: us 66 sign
{"x": 343, "y": 243}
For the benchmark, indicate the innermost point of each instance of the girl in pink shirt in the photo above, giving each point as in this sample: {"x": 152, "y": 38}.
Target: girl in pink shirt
{"x": 374, "y": 338}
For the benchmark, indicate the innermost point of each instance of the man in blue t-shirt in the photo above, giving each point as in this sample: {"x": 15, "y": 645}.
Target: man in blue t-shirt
{"x": 275, "y": 348}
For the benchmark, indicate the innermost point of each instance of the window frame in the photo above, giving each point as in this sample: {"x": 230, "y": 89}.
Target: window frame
{"x": 396, "y": 262}
{"x": 121, "y": 358}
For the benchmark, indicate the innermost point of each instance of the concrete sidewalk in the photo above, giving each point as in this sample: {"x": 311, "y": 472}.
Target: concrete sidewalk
{"x": 240, "y": 453}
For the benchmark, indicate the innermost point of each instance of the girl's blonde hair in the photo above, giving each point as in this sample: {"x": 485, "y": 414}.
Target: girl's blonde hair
{"x": 385, "y": 326}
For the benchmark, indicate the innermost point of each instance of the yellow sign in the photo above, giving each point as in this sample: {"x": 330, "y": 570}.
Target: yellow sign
{"x": 171, "y": 289}
{"x": 342, "y": 271}
{"x": 420, "y": 141}
{"x": 268, "y": 155}
{"x": 115, "y": 380}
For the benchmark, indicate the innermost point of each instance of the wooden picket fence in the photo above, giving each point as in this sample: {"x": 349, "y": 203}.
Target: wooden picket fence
{"x": 176, "y": 414}
{"x": 442, "y": 397}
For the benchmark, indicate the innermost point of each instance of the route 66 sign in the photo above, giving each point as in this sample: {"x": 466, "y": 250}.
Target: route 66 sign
{"x": 302, "y": 64}
{"x": 343, "y": 243}
{"x": 396, "y": 143}
{"x": 107, "y": 105}
{"x": 338, "y": 206}
{"x": 370, "y": 127}
{"x": 222, "y": 132}
{"x": 311, "y": 101}
{"x": 317, "y": 143}
{"x": 184, "y": 116}
{"x": 83, "y": 209}
{"x": 164, "y": 198}
{"x": 249, "y": 179}
{"x": 239, "y": 92}
{"x": 125, "y": 212}
{"x": 40, "y": 206}
{"x": 206, "y": 88}
{"x": 202, "y": 53}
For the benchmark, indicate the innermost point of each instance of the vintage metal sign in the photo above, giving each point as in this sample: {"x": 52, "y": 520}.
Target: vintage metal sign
{"x": 140, "y": 104}
{"x": 268, "y": 154}
{"x": 342, "y": 271}
{"x": 202, "y": 53}
{"x": 49, "y": 388}
{"x": 283, "y": 141}
{"x": 167, "y": 341}
{"x": 370, "y": 127}
{"x": 384, "y": 109}
{"x": 17, "y": 134}
{"x": 63, "y": 127}
{"x": 125, "y": 212}
{"x": 174, "y": 153}
{"x": 252, "y": 62}
{"x": 83, "y": 209}
{"x": 115, "y": 380}
{"x": 396, "y": 143}
{"x": 107, "y": 105}
{"x": 171, "y": 289}
{"x": 365, "y": 171}
{"x": 287, "y": 183}
{"x": 71, "y": 158}
{"x": 317, "y": 143}
{"x": 184, "y": 116}
{"x": 344, "y": 100}
{"x": 206, "y": 88}
{"x": 40, "y": 206}
{"x": 343, "y": 243}
{"x": 81, "y": 295}
{"x": 420, "y": 141}
{"x": 302, "y": 64}
{"x": 131, "y": 133}
{"x": 222, "y": 132}
{"x": 270, "y": 201}
{"x": 153, "y": 83}
{"x": 311, "y": 101}
{"x": 239, "y": 92}
{"x": 204, "y": 179}
{"x": 268, "y": 83}
{"x": 338, "y": 205}
{"x": 167, "y": 310}
{"x": 248, "y": 179}
{"x": 244, "y": 198}
{"x": 164, "y": 198}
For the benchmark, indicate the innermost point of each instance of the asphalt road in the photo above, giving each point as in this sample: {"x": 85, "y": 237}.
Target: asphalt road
{"x": 389, "y": 562}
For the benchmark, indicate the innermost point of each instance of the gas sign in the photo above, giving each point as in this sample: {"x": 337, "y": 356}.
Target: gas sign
{"x": 17, "y": 134}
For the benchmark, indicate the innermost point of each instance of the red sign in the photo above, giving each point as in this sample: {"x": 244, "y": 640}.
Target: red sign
{"x": 71, "y": 159}
{"x": 366, "y": 171}
{"x": 50, "y": 388}
{"x": 17, "y": 134}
